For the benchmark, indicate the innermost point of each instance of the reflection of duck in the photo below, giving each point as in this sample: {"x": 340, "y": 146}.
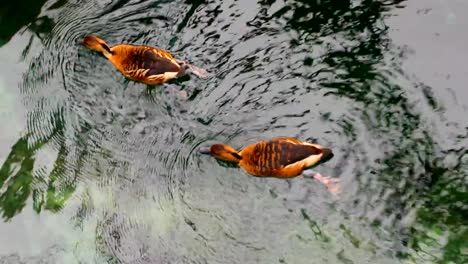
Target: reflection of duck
{"x": 143, "y": 63}
{"x": 277, "y": 157}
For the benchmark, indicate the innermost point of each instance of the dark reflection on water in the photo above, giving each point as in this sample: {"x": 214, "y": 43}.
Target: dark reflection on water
{"x": 49, "y": 190}
{"x": 324, "y": 71}
{"x": 11, "y": 23}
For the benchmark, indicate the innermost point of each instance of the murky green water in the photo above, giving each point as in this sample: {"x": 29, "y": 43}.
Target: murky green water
{"x": 96, "y": 170}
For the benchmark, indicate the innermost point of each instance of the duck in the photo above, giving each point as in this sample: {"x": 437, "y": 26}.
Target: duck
{"x": 281, "y": 157}
{"x": 141, "y": 63}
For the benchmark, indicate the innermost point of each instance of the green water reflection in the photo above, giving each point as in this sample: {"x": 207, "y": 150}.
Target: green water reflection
{"x": 19, "y": 178}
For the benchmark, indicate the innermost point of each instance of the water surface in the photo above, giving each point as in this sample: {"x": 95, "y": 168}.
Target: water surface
{"x": 96, "y": 169}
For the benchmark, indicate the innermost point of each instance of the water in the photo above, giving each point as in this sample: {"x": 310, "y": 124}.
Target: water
{"x": 96, "y": 169}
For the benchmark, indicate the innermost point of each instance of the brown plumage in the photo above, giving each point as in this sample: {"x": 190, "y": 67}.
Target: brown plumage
{"x": 142, "y": 63}
{"x": 277, "y": 157}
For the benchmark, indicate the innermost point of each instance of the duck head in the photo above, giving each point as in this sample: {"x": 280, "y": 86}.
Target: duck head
{"x": 222, "y": 152}
{"x": 94, "y": 43}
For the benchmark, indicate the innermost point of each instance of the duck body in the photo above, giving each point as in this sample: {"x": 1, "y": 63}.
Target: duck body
{"x": 277, "y": 157}
{"x": 141, "y": 63}
{"x": 145, "y": 64}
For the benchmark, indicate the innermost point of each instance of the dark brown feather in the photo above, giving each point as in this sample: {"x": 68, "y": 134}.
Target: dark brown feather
{"x": 273, "y": 155}
{"x": 158, "y": 64}
{"x": 104, "y": 46}
{"x": 147, "y": 59}
{"x": 292, "y": 153}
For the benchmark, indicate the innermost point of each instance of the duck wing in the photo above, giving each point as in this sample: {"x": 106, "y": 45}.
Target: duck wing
{"x": 273, "y": 155}
{"x": 291, "y": 152}
{"x": 148, "y": 61}
{"x": 159, "y": 62}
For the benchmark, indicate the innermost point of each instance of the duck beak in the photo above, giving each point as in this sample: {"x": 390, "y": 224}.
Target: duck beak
{"x": 205, "y": 150}
{"x": 327, "y": 154}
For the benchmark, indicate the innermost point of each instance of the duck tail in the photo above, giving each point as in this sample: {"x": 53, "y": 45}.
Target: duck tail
{"x": 199, "y": 72}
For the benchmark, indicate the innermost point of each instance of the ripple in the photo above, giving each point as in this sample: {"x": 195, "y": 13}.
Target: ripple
{"x": 125, "y": 162}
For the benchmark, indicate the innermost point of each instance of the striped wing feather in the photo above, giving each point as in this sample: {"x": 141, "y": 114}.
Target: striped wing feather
{"x": 270, "y": 157}
{"x": 143, "y": 62}
{"x": 158, "y": 62}
{"x": 293, "y": 153}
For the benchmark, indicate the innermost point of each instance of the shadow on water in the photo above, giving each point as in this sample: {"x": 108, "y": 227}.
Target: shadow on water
{"x": 413, "y": 175}
{"x": 280, "y": 68}
{"x": 20, "y": 178}
{"x": 415, "y": 181}
{"x": 12, "y": 23}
